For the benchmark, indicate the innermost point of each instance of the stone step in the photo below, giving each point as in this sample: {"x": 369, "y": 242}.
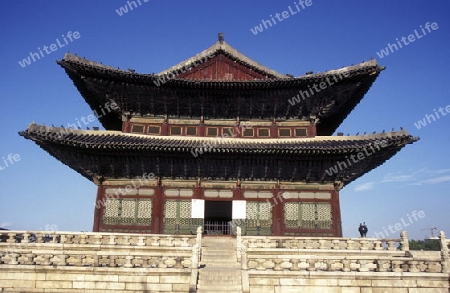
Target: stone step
{"x": 211, "y": 261}
{"x": 219, "y": 273}
{"x": 222, "y": 279}
{"x": 218, "y": 249}
{"x": 219, "y": 281}
{"x": 217, "y": 291}
{"x": 218, "y": 253}
{"x": 222, "y": 287}
{"x": 223, "y": 264}
{"x": 218, "y": 241}
{"x": 227, "y": 257}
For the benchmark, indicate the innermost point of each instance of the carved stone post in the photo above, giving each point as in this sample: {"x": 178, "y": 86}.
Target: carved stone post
{"x": 199, "y": 236}
{"x": 404, "y": 243}
{"x": 195, "y": 256}
{"x": 244, "y": 264}
{"x": 444, "y": 253}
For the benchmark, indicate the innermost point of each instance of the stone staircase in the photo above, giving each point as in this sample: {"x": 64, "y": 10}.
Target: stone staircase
{"x": 219, "y": 270}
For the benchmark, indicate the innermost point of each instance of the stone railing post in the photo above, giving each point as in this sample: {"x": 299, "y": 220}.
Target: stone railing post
{"x": 444, "y": 253}
{"x": 195, "y": 256}
{"x": 199, "y": 236}
{"x": 197, "y": 248}
{"x": 244, "y": 265}
{"x": 238, "y": 242}
{"x": 404, "y": 242}
{"x": 11, "y": 237}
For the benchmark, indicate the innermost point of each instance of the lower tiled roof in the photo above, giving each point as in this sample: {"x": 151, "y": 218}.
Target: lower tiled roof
{"x": 99, "y": 155}
{"x": 118, "y": 141}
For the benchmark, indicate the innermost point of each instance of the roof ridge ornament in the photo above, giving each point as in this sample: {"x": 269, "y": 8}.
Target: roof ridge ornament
{"x": 221, "y": 38}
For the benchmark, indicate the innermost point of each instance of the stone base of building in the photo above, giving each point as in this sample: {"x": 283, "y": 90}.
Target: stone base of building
{"x": 113, "y": 262}
{"x": 86, "y": 279}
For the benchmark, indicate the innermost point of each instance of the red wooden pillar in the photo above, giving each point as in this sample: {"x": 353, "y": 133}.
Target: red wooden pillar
{"x": 158, "y": 208}
{"x": 277, "y": 220}
{"x": 98, "y": 209}
{"x": 126, "y": 126}
{"x": 336, "y": 212}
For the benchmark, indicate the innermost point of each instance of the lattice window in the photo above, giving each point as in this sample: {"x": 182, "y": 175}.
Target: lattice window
{"x": 127, "y": 212}
{"x": 144, "y": 212}
{"x": 111, "y": 213}
{"x": 324, "y": 216}
{"x": 259, "y": 214}
{"x": 308, "y": 215}
{"x": 177, "y": 216}
{"x": 291, "y": 219}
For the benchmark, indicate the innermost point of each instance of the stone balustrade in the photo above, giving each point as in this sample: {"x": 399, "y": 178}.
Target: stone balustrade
{"x": 97, "y": 238}
{"x": 98, "y": 249}
{"x": 445, "y": 243}
{"x": 335, "y": 254}
{"x": 339, "y": 264}
{"x": 303, "y": 243}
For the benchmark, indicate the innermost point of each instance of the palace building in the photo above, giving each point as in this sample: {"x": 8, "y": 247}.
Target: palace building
{"x": 219, "y": 141}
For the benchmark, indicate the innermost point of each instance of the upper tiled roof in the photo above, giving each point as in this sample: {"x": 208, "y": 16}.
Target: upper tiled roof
{"x": 279, "y": 98}
{"x": 88, "y": 68}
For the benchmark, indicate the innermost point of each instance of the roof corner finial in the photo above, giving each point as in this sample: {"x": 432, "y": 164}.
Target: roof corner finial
{"x": 221, "y": 39}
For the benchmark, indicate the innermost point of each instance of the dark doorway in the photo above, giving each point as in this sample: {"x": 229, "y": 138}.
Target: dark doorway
{"x": 218, "y": 217}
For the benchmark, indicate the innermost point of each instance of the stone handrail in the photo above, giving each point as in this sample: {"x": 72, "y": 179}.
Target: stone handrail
{"x": 196, "y": 250}
{"x": 97, "y": 238}
{"x": 336, "y": 254}
{"x": 322, "y": 243}
{"x": 347, "y": 264}
{"x": 445, "y": 243}
{"x": 98, "y": 249}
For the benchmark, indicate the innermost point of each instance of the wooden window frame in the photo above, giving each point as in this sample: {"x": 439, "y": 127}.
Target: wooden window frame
{"x": 268, "y": 132}
{"x": 305, "y": 129}
{"x": 190, "y": 127}
{"x": 214, "y": 135}
{"x": 249, "y": 129}
{"x": 174, "y": 127}
{"x": 154, "y": 126}
{"x": 138, "y": 125}
{"x": 281, "y": 129}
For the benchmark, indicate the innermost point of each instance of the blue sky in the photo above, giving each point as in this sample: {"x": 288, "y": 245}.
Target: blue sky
{"x": 37, "y": 191}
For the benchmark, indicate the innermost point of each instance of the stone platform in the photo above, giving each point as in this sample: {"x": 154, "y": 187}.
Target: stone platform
{"x": 36, "y": 261}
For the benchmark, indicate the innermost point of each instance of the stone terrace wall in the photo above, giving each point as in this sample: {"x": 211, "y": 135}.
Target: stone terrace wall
{"x": 106, "y": 262}
{"x": 338, "y": 265}
{"x": 97, "y": 262}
